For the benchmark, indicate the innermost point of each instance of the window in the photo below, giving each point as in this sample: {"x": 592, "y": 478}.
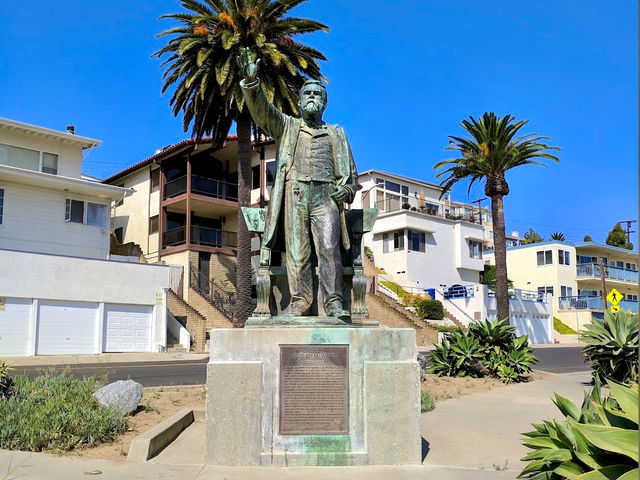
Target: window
{"x": 271, "y": 173}
{"x": 155, "y": 180}
{"x": 620, "y": 264}
{"x": 19, "y": 157}
{"x": 153, "y": 224}
{"x": 583, "y": 259}
{"x": 542, "y": 290}
{"x": 630, "y": 266}
{"x": 50, "y": 163}
{"x": 563, "y": 257}
{"x": 392, "y": 186}
{"x": 255, "y": 177}
{"x": 74, "y": 211}
{"x": 405, "y": 190}
{"x": 566, "y": 291}
{"x": 28, "y": 159}
{"x": 380, "y": 200}
{"x": 398, "y": 240}
{"x": 544, "y": 257}
{"x": 1, "y": 204}
{"x": 96, "y": 214}
{"x": 475, "y": 249}
{"x": 119, "y": 233}
{"x": 632, "y": 297}
{"x": 393, "y": 203}
{"x": 416, "y": 241}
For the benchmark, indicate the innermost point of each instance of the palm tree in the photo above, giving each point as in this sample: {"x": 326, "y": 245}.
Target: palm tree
{"x": 202, "y": 66}
{"x": 488, "y": 154}
{"x": 557, "y": 236}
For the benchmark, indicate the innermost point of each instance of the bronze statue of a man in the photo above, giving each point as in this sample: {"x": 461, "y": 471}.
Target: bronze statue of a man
{"x": 315, "y": 176}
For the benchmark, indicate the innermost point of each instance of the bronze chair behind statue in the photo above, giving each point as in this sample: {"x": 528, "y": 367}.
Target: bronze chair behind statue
{"x": 270, "y": 277}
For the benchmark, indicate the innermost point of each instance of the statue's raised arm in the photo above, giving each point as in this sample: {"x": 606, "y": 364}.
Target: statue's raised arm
{"x": 268, "y": 117}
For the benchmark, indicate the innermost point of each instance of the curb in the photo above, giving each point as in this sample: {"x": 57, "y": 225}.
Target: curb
{"x": 149, "y": 443}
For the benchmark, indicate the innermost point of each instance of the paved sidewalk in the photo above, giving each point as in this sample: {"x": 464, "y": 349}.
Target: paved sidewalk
{"x": 105, "y": 358}
{"x": 467, "y": 438}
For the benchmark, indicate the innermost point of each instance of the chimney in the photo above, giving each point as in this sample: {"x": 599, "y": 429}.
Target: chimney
{"x": 71, "y": 129}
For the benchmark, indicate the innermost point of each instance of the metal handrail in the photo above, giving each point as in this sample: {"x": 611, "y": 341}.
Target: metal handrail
{"x": 220, "y": 298}
{"x": 618, "y": 273}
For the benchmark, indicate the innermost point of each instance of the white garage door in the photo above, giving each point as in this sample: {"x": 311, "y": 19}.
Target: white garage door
{"x": 14, "y": 327}
{"x": 127, "y": 328}
{"x": 66, "y": 327}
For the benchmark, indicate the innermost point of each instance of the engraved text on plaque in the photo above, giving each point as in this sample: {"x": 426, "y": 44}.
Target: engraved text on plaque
{"x": 314, "y": 389}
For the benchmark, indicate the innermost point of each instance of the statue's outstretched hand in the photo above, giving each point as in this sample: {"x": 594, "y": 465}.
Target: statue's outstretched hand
{"x": 248, "y": 67}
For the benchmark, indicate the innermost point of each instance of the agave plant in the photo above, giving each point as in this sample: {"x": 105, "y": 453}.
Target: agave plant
{"x": 597, "y": 442}
{"x": 612, "y": 346}
{"x": 493, "y": 334}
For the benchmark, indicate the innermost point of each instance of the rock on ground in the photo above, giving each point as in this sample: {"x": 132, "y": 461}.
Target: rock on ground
{"x": 123, "y": 396}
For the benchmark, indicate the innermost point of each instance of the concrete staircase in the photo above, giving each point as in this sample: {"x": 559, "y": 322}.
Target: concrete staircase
{"x": 392, "y": 314}
{"x": 194, "y": 321}
{"x": 173, "y": 345}
{"x": 453, "y": 318}
{"x": 204, "y": 305}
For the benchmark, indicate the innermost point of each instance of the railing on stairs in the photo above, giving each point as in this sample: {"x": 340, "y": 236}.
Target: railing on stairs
{"x": 221, "y": 299}
{"x": 447, "y": 303}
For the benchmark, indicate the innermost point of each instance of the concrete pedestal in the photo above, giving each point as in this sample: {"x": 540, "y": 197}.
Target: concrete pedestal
{"x": 243, "y": 387}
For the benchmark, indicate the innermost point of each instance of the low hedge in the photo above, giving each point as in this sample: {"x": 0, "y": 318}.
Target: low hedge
{"x": 431, "y": 309}
{"x": 56, "y": 413}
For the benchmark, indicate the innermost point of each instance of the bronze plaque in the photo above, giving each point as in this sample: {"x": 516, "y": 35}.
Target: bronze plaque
{"x": 314, "y": 389}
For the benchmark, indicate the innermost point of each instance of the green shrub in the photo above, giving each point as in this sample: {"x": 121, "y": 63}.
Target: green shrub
{"x": 612, "y": 346}
{"x": 598, "y": 441}
{"x": 431, "y": 309}
{"x": 7, "y": 385}
{"x": 562, "y": 328}
{"x": 487, "y": 348}
{"x": 427, "y": 403}
{"x": 56, "y": 413}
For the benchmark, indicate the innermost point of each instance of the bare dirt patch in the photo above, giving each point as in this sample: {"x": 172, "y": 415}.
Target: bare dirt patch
{"x": 443, "y": 388}
{"x": 157, "y": 404}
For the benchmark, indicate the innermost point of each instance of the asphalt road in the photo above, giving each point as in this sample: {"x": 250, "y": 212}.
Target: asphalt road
{"x": 193, "y": 372}
{"x": 149, "y": 374}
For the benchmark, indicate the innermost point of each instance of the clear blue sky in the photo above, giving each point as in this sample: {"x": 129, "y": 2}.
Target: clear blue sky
{"x": 402, "y": 76}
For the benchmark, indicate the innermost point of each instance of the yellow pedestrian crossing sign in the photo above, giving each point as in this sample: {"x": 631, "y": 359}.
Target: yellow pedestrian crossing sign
{"x": 614, "y": 296}
{"x": 615, "y": 308}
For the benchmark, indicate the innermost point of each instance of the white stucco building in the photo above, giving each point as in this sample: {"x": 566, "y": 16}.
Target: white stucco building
{"x": 59, "y": 290}
{"x": 415, "y": 240}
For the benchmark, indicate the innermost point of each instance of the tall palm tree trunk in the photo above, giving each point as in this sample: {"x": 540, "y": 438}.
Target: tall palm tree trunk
{"x": 243, "y": 268}
{"x": 500, "y": 250}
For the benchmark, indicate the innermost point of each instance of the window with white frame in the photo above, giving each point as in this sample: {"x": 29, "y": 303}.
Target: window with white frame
{"x": 633, "y": 297}
{"x": 475, "y": 249}
{"x": 566, "y": 291}
{"x": 563, "y": 257}
{"x": 630, "y": 266}
{"x": 544, "y": 257}
{"x": 547, "y": 289}
{"x": 28, "y": 159}
{"x": 50, "y": 163}
{"x": 1, "y": 204}
{"x": 96, "y": 214}
{"x": 393, "y": 241}
{"x": 88, "y": 213}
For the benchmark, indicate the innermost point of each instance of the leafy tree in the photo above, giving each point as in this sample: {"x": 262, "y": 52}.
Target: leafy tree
{"x": 532, "y": 237}
{"x": 618, "y": 238}
{"x": 558, "y": 236}
{"x": 488, "y": 276}
{"x": 493, "y": 149}
{"x": 587, "y": 238}
{"x": 201, "y": 65}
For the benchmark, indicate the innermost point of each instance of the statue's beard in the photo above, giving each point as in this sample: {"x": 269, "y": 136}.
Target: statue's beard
{"x": 313, "y": 107}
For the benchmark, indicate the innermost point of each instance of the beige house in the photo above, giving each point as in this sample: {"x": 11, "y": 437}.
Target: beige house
{"x": 184, "y": 211}
{"x": 572, "y": 274}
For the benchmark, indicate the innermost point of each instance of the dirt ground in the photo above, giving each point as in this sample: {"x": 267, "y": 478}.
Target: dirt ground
{"x": 157, "y": 404}
{"x": 443, "y": 388}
